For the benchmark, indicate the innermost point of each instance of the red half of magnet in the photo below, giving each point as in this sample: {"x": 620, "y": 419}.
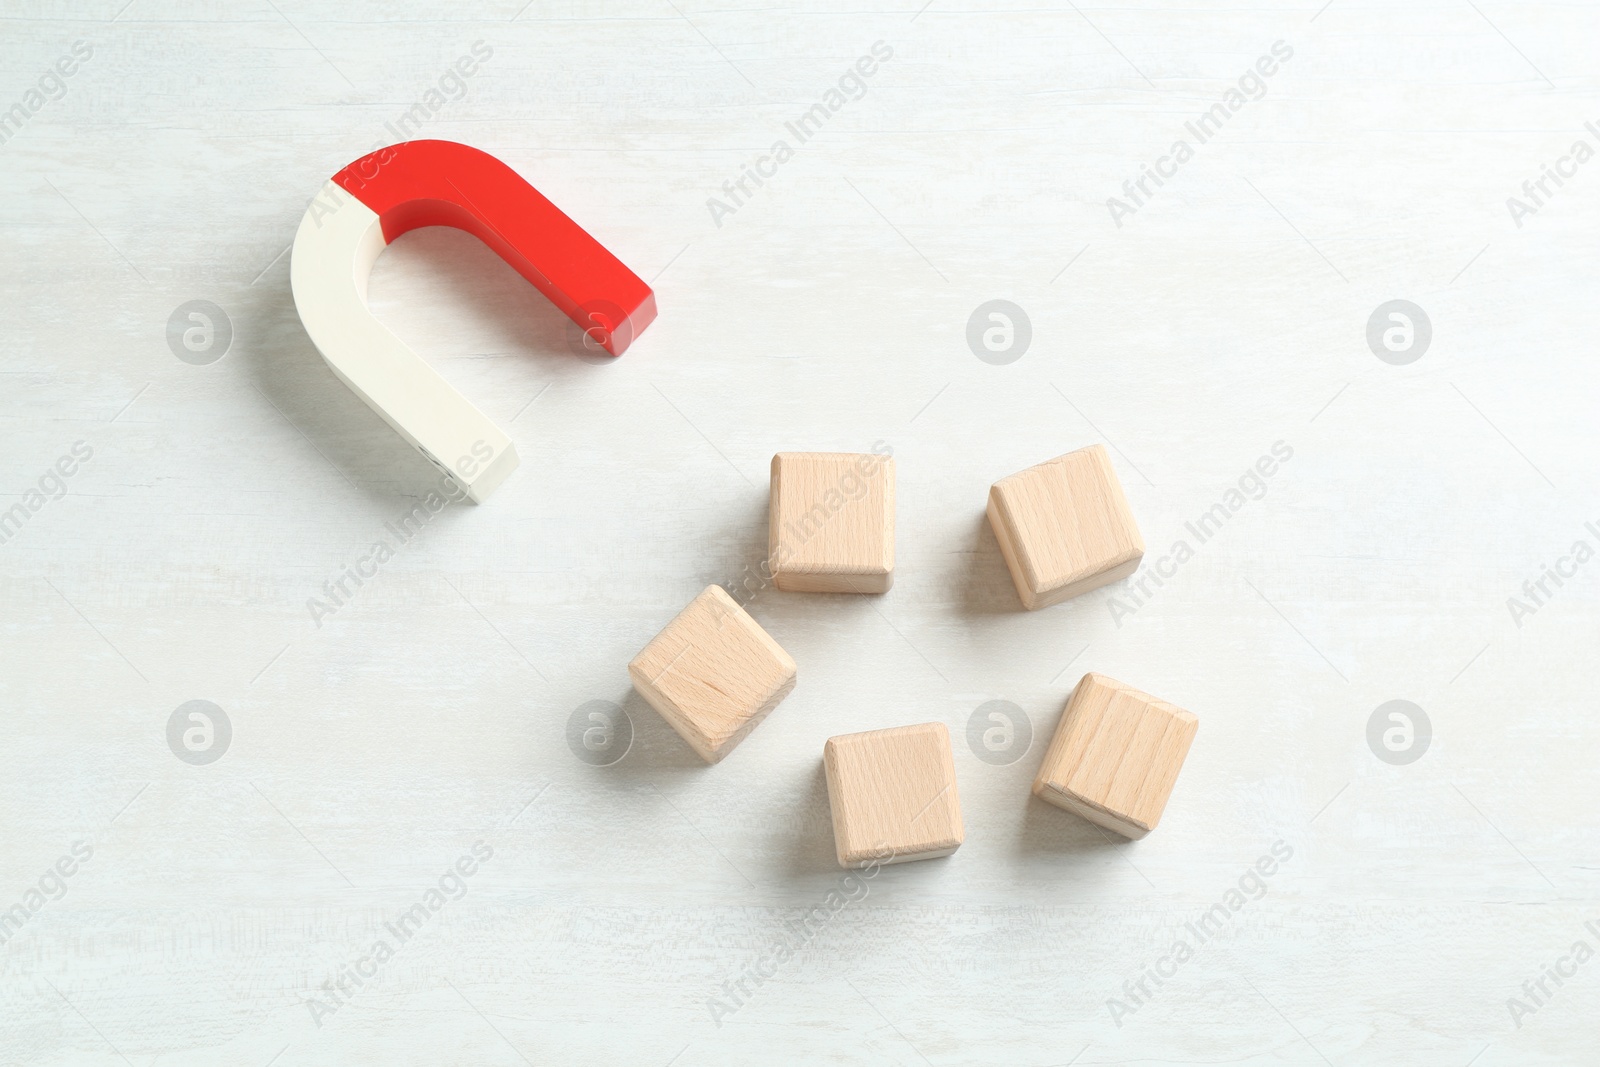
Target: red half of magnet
{"x": 441, "y": 183}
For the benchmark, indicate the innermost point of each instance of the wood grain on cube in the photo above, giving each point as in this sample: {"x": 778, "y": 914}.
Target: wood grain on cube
{"x": 831, "y": 522}
{"x": 713, "y": 673}
{"x": 893, "y": 795}
{"x": 1115, "y": 755}
{"x": 1064, "y": 527}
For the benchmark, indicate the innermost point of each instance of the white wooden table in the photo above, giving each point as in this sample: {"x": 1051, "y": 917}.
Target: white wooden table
{"x": 214, "y": 910}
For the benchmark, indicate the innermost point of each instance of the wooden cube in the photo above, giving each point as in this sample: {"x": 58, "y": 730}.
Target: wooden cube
{"x": 831, "y": 523}
{"x": 1115, "y": 755}
{"x": 1064, "y": 527}
{"x": 713, "y": 673}
{"x": 893, "y": 795}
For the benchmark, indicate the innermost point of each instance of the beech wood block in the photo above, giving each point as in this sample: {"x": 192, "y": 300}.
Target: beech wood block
{"x": 1064, "y": 527}
{"x": 1115, "y": 755}
{"x": 713, "y": 673}
{"x": 893, "y": 795}
{"x": 831, "y": 524}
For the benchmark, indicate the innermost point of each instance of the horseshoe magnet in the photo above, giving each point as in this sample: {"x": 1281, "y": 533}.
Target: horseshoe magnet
{"x": 380, "y": 196}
